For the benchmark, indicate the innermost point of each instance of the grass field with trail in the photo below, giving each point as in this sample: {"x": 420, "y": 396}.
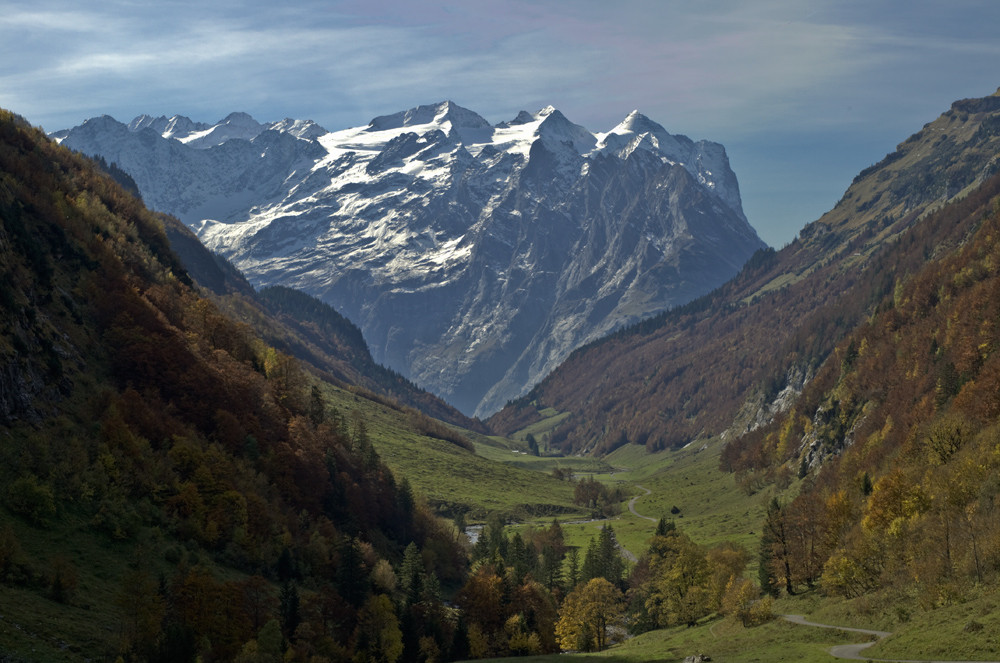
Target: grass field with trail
{"x": 724, "y": 640}
{"x": 709, "y": 506}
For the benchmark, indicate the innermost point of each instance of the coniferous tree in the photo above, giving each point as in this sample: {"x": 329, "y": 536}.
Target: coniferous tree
{"x": 520, "y": 557}
{"x": 765, "y": 573}
{"x": 285, "y": 568}
{"x": 351, "y": 580}
{"x": 663, "y": 527}
{"x": 289, "y": 606}
{"x": 550, "y": 567}
{"x": 460, "y": 642}
{"x": 411, "y": 572}
{"x": 590, "y": 568}
{"x": 317, "y": 406}
{"x": 611, "y": 563}
{"x": 572, "y": 568}
{"x": 603, "y": 559}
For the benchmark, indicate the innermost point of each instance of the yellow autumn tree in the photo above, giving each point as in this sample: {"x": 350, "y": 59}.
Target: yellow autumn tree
{"x": 377, "y": 636}
{"x": 743, "y": 603}
{"x": 592, "y": 617}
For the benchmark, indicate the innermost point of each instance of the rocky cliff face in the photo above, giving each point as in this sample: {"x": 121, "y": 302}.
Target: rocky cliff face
{"x": 474, "y": 257}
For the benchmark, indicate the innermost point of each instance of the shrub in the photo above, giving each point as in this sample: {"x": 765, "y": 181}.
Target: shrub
{"x": 30, "y": 497}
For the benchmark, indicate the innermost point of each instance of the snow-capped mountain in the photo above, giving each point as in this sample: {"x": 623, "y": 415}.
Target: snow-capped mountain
{"x": 475, "y": 257}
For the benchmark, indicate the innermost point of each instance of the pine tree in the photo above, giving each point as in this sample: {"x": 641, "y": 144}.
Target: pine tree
{"x": 317, "y": 406}
{"x": 573, "y": 570}
{"x": 290, "y": 615}
{"x": 410, "y": 574}
{"x": 664, "y": 527}
{"x": 551, "y": 567}
{"x": 591, "y": 567}
{"x": 351, "y": 580}
{"x": 611, "y": 564}
{"x": 765, "y": 574}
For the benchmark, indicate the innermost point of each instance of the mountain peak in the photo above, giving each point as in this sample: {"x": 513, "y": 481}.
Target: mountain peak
{"x": 524, "y": 117}
{"x": 305, "y": 129}
{"x": 143, "y": 121}
{"x": 235, "y": 125}
{"x": 241, "y": 119}
{"x": 439, "y": 114}
{"x": 101, "y": 121}
{"x": 636, "y": 122}
{"x": 556, "y": 127}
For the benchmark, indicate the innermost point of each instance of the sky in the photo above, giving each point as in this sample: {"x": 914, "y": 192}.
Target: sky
{"x": 802, "y": 93}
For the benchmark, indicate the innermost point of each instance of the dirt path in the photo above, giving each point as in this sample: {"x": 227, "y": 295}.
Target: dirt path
{"x": 631, "y": 504}
{"x": 626, "y": 553}
{"x": 853, "y": 652}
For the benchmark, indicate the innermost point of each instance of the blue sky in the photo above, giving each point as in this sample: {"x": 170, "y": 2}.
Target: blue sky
{"x": 803, "y": 94}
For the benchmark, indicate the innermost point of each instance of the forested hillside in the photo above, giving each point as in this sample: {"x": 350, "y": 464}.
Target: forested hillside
{"x": 138, "y": 421}
{"x": 898, "y": 436}
{"x": 719, "y": 362}
{"x": 303, "y": 327}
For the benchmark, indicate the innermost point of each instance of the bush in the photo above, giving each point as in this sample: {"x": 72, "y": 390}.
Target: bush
{"x": 29, "y": 497}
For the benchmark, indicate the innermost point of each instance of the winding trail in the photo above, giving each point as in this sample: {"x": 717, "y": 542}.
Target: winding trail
{"x": 853, "y": 652}
{"x": 631, "y": 504}
{"x": 626, "y": 553}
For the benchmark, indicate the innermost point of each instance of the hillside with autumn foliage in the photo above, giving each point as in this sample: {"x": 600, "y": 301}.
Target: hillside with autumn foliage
{"x": 300, "y": 325}
{"x": 897, "y": 437}
{"x": 139, "y": 419}
{"x": 721, "y": 362}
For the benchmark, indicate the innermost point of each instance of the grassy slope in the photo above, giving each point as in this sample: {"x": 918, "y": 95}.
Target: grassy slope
{"x": 723, "y": 640}
{"x": 451, "y": 478}
{"x": 711, "y": 507}
{"x": 87, "y": 625}
{"x": 919, "y": 631}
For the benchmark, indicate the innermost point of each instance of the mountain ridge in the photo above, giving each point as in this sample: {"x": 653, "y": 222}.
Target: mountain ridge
{"x": 463, "y": 250}
{"x": 718, "y": 363}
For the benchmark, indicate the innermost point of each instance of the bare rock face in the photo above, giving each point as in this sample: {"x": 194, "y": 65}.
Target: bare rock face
{"x": 474, "y": 257}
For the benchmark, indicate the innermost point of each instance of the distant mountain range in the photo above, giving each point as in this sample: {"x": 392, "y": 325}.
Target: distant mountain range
{"x": 474, "y": 257}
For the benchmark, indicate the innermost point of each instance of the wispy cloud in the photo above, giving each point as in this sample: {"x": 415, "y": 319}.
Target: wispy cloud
{"x": 744, "y": 73}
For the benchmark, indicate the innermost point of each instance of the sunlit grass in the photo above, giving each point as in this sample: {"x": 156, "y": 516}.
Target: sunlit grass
{"x": 453, "y": 479}
{"x": 723, "y": 640}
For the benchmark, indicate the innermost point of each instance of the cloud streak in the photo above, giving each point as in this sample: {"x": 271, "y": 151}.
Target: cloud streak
{"x": 845, "y": 75}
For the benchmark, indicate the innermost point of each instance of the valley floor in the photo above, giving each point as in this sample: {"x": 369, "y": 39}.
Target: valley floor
{"x": 687, "y": 487}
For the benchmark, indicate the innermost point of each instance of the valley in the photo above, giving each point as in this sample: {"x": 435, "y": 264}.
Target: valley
{"x": 195, "y": 469}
